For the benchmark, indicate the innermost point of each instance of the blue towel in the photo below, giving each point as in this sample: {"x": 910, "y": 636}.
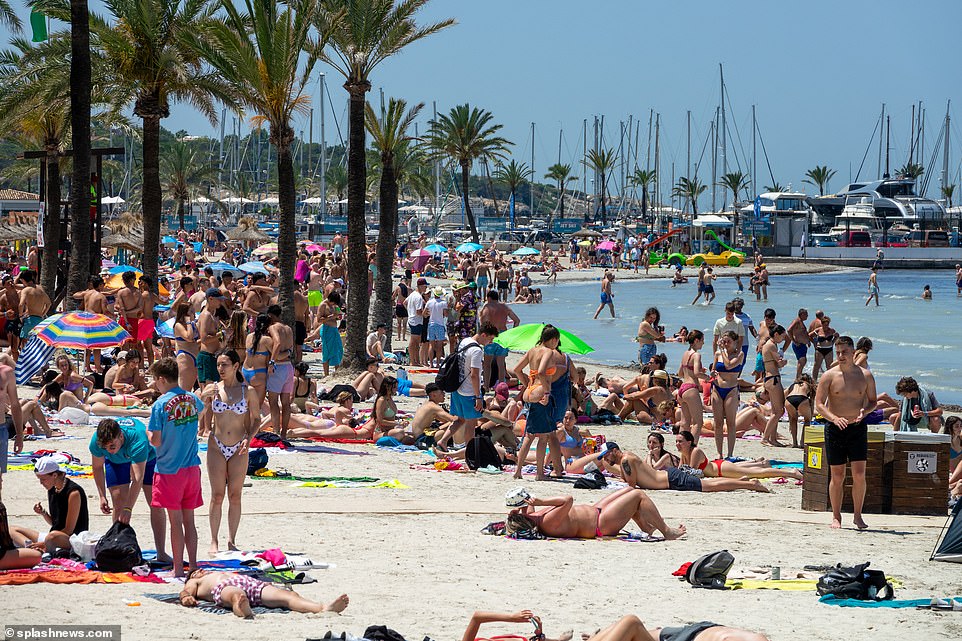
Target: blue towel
{"x": 895, "y": 603}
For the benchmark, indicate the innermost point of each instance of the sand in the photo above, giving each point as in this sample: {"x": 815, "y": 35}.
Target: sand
{"x": 415, "y": 559}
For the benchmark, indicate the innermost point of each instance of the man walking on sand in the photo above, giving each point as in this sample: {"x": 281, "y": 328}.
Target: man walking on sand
{"x": 845, "y": 395}
{"x": 607, "y": 298}
{"x": 872, "y": 287}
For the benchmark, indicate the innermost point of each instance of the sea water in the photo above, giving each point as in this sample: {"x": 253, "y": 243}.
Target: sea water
{"x": 912, "y": 337}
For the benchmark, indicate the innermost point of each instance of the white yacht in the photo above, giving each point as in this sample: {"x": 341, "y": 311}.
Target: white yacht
{"x": 778, "y": 204}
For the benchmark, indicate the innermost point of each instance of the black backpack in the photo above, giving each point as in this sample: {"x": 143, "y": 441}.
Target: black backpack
{"x": 449, "y": 376}
{"x": 855, "y": 583}
{"x": 480, "y": 451}
{"x": 118, "y": 550}
{"x": 711, "y": 570}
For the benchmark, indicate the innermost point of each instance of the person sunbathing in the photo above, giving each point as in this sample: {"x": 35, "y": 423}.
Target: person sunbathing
{"x": 563, "y": 519}
{"x": 524, "y": 616}
{"x": 695, "y": 458}
{"x": 631, "y": 628}
{"x": 637, "y": 473}
{"x": 338, "y": 422}
{"x": 240, "y": 593}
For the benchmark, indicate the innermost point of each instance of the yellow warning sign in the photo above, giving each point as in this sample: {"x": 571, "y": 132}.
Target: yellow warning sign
{"x": 815, "y": 457}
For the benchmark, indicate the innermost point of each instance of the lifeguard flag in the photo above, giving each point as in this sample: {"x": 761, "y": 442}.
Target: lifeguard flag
{"x": 38, "y": 22}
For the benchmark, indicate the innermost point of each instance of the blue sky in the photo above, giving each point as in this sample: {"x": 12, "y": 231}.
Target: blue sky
{"x": 817, "y": 72}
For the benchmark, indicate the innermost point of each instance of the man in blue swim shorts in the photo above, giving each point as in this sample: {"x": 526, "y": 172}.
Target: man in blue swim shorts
{"x": 123, "y": 464}
{"x": 607, "y": 298}
{"x": 798, "y": 334}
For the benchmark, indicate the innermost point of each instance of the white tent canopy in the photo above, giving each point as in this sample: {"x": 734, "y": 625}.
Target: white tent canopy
{"x": 112, "y": 200}
{"x": 712, "y": 220}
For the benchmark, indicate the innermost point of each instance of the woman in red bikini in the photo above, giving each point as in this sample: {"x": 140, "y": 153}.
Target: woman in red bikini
{"x": 692, "y": 374}
{"x": 694, "y": 457}
{"x": 563, "y": 519}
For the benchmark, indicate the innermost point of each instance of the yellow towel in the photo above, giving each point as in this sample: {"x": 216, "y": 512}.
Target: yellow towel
{"x": 393, "y": 484}
{"x": 791, "y": 585}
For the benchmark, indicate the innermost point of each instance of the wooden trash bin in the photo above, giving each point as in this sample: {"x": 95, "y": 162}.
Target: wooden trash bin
{"x": 817, "y": 474}
{"x": 917, "y": 472}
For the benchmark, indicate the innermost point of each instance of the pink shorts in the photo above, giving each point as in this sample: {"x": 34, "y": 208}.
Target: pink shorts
{"x": 178, "y": 491}
{"x": 145, "y": 330}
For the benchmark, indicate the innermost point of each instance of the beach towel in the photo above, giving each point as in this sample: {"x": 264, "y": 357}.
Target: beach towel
{"x": 76, "y": 471}
{"x": 347, "y": 441}
{"x": 790, "y": 585}
{"x": 210, "y": 608}
{"x": 392, "y": 484}
{"x": 322, "y": 479}
{"x": 324, "y": 449}
{"x": 894, "y": 603}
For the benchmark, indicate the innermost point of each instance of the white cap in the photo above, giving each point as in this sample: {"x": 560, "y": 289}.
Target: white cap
{"x": 516, "y": 497}
{"x": 46, "y": 465}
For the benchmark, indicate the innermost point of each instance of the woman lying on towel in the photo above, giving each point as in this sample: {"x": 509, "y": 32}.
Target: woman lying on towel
{"x": 97, "y": 403}
{"x": 694, "y": 457}
{"x": 563, "y": 519}
{"x": 239, "y": 593}
{"x": 627, "y": 628}
{"x": 338, "y": 422}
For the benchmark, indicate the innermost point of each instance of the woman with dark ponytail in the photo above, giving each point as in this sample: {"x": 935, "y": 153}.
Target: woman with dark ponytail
{"x": 259, "y": 347}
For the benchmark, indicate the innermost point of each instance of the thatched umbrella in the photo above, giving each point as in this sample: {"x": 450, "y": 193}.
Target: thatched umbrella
{"x": 247, "y": 231}
{"x": 9, "y": 233}
{"x": 586, "y": 233}
{"x": 124, "y": 240}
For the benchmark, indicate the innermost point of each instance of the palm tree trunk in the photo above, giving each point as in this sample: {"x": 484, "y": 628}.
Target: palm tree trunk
{"x": 286, "y": 239}
{"x": 80, "y": 223}
{"x": 604, "y": 208}
{"x": 152, "y": 197}
{"x": 386, "y": 241}
{"x": 561, "y": 204}
{"x": 181, "y": 212}
{"x": 465, "y": 168}
{"x": 358, "y": 301}
{"x": 51, "y": 225}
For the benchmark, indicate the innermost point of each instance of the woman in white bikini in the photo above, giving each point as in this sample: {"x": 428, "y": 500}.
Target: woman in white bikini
{"x": 231, "y": 425}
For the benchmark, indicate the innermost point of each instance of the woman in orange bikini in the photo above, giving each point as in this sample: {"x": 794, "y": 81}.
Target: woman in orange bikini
{"x": 692, "y": 374}
{"x": 695, "y": 458}
{"x": 563, "y": 519}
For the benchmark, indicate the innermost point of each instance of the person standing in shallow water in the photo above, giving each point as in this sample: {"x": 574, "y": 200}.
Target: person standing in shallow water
{"x": 607, "y": 298}
{"x": 872, "y": 287}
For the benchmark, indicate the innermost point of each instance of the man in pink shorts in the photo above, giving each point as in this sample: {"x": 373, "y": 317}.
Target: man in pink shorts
{"x": 173, "y": 433}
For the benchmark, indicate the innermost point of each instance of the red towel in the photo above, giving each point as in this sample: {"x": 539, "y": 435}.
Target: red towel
{"x": 683, "y": 570}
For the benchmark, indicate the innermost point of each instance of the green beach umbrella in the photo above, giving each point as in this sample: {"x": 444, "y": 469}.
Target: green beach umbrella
{"x": 524, "y": 337}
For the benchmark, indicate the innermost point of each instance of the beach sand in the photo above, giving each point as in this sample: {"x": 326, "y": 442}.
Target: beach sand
{"x": 416, "y": 561}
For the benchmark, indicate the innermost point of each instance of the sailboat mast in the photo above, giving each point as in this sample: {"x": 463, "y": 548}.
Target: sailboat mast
{"x": 754, "y": 152}
{"x": 912, "y": 136}
{"x": 437, "y": 169}
{"x": 658, "y": 160}
{"x": 531, "y": 182}
{"x": 882, "y": 121}
{"x": 651, "y": 115}
{"x": 714, "y": 158}
{"x": 888, "y": 135}
{"x": 945, "y": 151}
{"x": 688, "y": 145}
{"x": 561, "y": 134}
{"x": 724, "y": 123}
{"x": 323, "y": 148}
{"x": 584, "y": 162}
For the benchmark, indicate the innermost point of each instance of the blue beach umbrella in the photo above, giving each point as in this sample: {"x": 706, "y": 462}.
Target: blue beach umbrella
{"x": 253, "y": 267}
{"x": 169, "y": 240}
{"x": 436, "y": 248}
{"x": 166, "y": 329}
{"x": 120, "y": 269}
{"x": 221, "y": 267}
{"x": 468, "y": 248}
{"x": 526, "y": 251}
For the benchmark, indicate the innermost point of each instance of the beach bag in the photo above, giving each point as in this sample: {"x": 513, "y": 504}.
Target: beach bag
{"x": 118, "y": 550}
{"x": 382, "y": 633}
{"x": 593, "y": 480}
{"x": 449, "y": 376}
{"x": 711, "y": 570}
{"x": 256, "y": 460}
{"x": 480, "y": 451}
{"x": 855, "y": 583}
{"x": 335, "y": 391}
{"x": 84, "y": 545}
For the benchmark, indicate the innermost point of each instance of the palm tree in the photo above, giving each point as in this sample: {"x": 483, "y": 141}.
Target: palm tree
{"x": 336, "y": 177}
{"x": 689, "y": 189}
{"x": 775, "y": 188}
{"x": 9, "y": 17}
{"x": 266, "y": 56}
{"x": 911, "y": 170}
{"x": 183, "y": 172}
{"x": 514, "y": 174}
{"x": 947, "y": 192}
{"x": 562, "y": 175}
{"x": 389, "y": 135}
{"x": 819, "y": 176}
{"x": 601, "y": 161}
{"x": 155, "y": 50}
{"x": 464, "y": 135}
{"x": 35, "y": 106}
{"x": 735, "y": 182}
{"x": 364, "y": 33}
{"x": 644, "y": 179}
{"x": 81, "y": 84}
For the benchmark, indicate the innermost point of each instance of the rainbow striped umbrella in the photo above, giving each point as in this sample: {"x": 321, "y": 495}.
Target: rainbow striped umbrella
{"x": 83, "y": 330}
